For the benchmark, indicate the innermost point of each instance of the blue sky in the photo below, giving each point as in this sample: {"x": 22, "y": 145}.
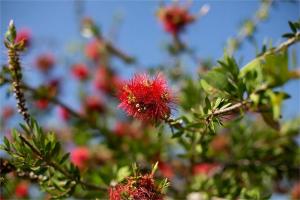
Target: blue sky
{"x": 54, "y": 24}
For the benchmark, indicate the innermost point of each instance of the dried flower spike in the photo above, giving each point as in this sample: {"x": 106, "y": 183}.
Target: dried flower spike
{"x": 13, "y": 49}
{"x": 146, "y": 99}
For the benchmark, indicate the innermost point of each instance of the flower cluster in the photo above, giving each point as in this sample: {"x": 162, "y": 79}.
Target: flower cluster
{"x": 175, "y": 18}
{"x": 136, "y": 188}
{"x": 145, "y": 98}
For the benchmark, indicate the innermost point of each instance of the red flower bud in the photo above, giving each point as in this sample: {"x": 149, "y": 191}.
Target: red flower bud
{"x": 166, "y": 169}
{"x": 25, "y": 36}
{"x": 45, "y": 62}
{"x": 80, "y": 71}
{"x": 63, "y": 113}
{"x": 42, "y": 104}
{"x": 80, "y": 157}
{"x": 21, "y": 190}
{"x": 207, "y": 169}
{"x": 7, "y": 112}
{"x": 94, "y": 49}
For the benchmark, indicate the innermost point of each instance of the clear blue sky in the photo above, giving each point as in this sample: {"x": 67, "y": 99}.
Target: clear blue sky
{"x": 142, "y": 36}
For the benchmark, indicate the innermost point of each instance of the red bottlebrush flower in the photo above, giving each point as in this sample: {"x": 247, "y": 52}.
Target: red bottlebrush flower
{"x": 175, "y": 18}
{"x": 94, "y": 104}
{"x": 166, "y": 169}
{"x": 42, "y": 104}
{"x": 63, "y": 113}
{"x": 208, "y": 169}
{"x": 25, "y": 36}
{"x": 126, "y": 129}
{"x": 45, "y": 62}
{"x": 94, "y": 49}
{"x": 106, "y": 80}
{"x": 146, "y": 99}
{"x": 136, "y": 188}
{"x": 21, "y": 190}
{"x": 295, "y": 192}
{"x": 7, "y": 112}
{"x": 80, "y": 71}
{"x": 80, "y": 157}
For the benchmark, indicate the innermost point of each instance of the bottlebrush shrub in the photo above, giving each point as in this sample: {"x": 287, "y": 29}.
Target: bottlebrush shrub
{"x": 220, "y": 136}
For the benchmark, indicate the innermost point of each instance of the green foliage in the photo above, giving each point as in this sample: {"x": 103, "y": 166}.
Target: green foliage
{"x": 269, "y": 70}
{"x": 223, "y": 81}
{"x": 39, "y": 154}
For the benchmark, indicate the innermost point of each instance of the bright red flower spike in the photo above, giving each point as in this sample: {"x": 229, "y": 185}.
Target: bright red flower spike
{"x": 146, "y": 99}
{"x": 136, "y": 188}
{"x": 175, "y": 18}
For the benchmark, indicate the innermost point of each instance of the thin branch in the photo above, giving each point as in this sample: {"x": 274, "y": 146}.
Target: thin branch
{"x": 115, "y": 51}
{"x": 231, "y": 108}
{"x": 286, "y": 44}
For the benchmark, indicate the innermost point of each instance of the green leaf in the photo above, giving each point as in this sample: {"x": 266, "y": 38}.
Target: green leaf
{"x": 55, "y": 150}
{"x": 288, "y": 35}
{"x": 64, "y": 158}
{"x": 6, "y": 142}
{"x": 293, "y": 27}
{"x": 268, "y": 118}
{"x": 122, "y": 173}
